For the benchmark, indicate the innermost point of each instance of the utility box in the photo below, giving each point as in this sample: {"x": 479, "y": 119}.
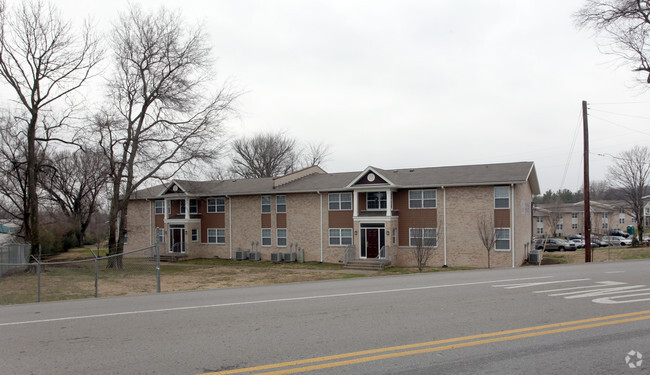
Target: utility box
{"x": 534, "y": 257}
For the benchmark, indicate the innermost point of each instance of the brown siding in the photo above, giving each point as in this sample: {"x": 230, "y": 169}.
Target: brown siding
{"x": 213, "y": 220}
{"x": 266, "y": 220}
{"x": 361, "y": 202}
{"x": 340, "y": 219}
{"x": 419, "y": 218}
{"x": 159, "y": 221}
{"x": 281, "y": 220}
{"x": 502, "y": 218}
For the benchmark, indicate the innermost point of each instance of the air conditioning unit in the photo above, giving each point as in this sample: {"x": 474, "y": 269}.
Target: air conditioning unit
{"x": 276, "y": 257}
{"x": 289, "y": 257}
{"x": 255, "y": 255}
{"x": 241, "y": 255}
{"x": 534, "y": 256}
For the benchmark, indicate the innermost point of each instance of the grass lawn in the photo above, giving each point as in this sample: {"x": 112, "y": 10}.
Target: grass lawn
{"x": 600, "y": 254}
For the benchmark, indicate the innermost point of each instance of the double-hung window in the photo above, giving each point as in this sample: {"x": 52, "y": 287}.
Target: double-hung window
{"x": 160, "y": 207}
{"x": 266, "y": 237}
{"x": 423, "y": 237}
{"x": 340, "y": 201}
{"x": 194, "y": 206}
{"x": 501, "y": 197}
{"x": 376, "y": 200}
{"x": 216, "y": 235}
{"x": 422, "y": 198}
{"x": 216, "y": 205}
{"x": 160, "y": 235}
{"x": 281, "y": 237}
{"x": 280, "y": 204}
{"x": 266, "y": 205}
{"x": 340, "y": 236}
{"x": 502, "y": 239}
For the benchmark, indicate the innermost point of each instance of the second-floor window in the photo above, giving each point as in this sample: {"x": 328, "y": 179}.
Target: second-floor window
{"x": 194, "y": 206}
{"x": 376, "y": 200}
{"x": 422, "y": 198}
{"x": 340, "y": 201}
{"x": 280, "y": 203}
{"x": 501, "y": 197}
{"x": 266, "y": 204}
{"x": 160, "y": 207}
{"x": 216, "y": 205}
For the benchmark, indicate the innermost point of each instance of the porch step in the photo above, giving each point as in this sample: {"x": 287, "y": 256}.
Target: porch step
{"x": 172, "y": 257}
{"x": 367, "y": 264}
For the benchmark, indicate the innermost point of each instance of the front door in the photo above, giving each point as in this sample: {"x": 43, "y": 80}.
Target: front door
{"x": 372, "y": 240}
{"x": 177, "y": 240}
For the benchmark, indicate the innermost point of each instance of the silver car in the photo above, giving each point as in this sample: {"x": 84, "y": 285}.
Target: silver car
{"x": 616, "y": 241}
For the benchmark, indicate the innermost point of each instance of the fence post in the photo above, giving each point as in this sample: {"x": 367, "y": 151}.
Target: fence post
{"x": 38, "y": 276}
{"x": 96, "y": 271}
{"x": 158, "y": 266}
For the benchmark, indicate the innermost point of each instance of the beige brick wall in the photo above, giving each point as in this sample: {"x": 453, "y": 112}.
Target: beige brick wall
{"x": 138, "y": 223}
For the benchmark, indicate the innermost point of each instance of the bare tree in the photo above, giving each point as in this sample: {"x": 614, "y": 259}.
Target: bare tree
{"x": 485, "y": 226}
{"x": 43, "y": 62}
{"x": 625, "y": 25}
{"x": 73, "y": 182}
{"x": 423, "y": 242}
{"x": 164, "y": 115}
{"x": 13, "y": 173}
{"x": 631, "y": 172}
{"x": 264, "y": 155}
{"x": 273, "y": 154}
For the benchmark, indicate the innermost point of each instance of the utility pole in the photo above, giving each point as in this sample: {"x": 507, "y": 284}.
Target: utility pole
{"x": 587, "y": 213}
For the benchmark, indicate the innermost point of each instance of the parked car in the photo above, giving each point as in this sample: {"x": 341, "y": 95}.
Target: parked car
{"x": 619, "y": 233}
{"x": 616, "y": 241}
{"x": 554, "y": 244}
{"x": 579, "y": 243}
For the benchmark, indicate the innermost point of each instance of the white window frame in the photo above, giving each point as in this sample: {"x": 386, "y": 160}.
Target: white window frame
{"x": 500, "y": 196}
{"x": 574, "y": 226}
{"x": 194, "y": 208}
{"x": 160, "y": 235}
{"x": 420, "y": 233}
{"x": 281, "y": 234}
{"x": 195, "y": 235}
{"x": 268, "y": 237}
{"x": 379, "y": 201}
{"x": 339, "y": 236}
{"x": 160, "y": 207}
{"x": 266, "y": 204}
{"x": 217, "y": 236}
{"x": 337, "y": 199}
{"x": 505, "y": 238}
{"x": 216, "y": 205}
{"x": 418, "y": 201}
{"x": 281, "y": 207}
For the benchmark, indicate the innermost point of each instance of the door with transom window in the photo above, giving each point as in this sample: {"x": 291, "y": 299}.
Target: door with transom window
{"x": 373, "y": 238}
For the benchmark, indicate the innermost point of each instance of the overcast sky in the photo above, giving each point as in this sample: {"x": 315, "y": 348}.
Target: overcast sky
{"x": 399, "y": 84}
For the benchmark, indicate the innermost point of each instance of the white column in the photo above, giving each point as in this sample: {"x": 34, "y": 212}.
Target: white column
{"x": 389, "y": 203}
{"x": 355, "y": 204}
{"x": 187, "y": 208}
{"x": 165, "y": 203}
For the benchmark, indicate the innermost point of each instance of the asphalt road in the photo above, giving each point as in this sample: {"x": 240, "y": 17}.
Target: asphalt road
{"x": 582, "y": 319}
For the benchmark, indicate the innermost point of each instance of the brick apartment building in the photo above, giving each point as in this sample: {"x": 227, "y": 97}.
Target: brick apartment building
{"x": 374, "y": 213}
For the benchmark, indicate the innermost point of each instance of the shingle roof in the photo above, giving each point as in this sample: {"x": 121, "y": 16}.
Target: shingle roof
{"x": 467, "y": 175}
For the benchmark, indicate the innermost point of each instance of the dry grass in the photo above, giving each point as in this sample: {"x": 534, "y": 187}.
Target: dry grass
{"x": 600, "y": 254}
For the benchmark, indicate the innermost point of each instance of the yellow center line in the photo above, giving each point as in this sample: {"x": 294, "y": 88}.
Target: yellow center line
{"x": 576, "y": 326}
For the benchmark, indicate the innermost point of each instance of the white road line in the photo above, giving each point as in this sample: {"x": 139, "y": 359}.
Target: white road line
{"x": 261, "y": 301}
{"x": 615, "y": 271}
{"x": 598, "y": 284}
{"x": 527, "y": 285}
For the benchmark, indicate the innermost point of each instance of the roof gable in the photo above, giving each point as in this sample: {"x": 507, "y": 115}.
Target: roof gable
{"x": 371, "y": 176}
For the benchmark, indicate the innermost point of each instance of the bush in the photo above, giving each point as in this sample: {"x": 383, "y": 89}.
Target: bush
{"x": 50, "y": 244}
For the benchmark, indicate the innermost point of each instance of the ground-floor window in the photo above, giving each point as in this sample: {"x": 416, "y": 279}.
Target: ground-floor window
{"x": 216, "y": 235}
{"x": 502, "y": 239}
{"x": 282, "y": 237}
{"x": 195, "y": 235}
{"x": 427, "y": 237}
{"x": 160, "y": 235}
{"x": 540, "y": 230}
{"x": 340, "y": 236}
{"x": 266, "y": 237}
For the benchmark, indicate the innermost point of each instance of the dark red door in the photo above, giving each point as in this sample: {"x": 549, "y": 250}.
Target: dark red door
{"x": 372, "y": 242}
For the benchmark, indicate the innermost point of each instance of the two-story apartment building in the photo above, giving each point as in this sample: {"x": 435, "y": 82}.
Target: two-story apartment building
{"x": 324, "y": 214}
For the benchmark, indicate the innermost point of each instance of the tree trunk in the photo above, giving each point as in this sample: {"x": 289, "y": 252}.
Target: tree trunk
{"x": 32, "y": 232}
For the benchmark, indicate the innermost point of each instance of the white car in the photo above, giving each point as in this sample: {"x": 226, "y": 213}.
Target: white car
{"x": 616, "y": 241}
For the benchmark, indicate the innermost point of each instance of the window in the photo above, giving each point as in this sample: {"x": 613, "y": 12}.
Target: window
{"x": 502, "y": 239}
{"x": 340, "y": 236}
{"x": 216, "y": 205}
{"x": 540, "y": 219}
{"x": 605, "y": 215}
{"x": 540, "y": 230}
{"x": 266, "y": 205}
{"x": 621, "y": 220}
{"x": 266, "y": 237}
{"x": 560, "y": 226}
{"x": 194, "y": 206}
{"x": 280, "y": 203}
{"x": 422, "y": 198}
{"x": 195, "y": 235}
{"x": 574, "y": 215}
{"x": 605, "y": 225}
{"x": 574, "y": 226}
{"x": 427, "y": 237}
{"x": 501, "y": 197}
{"x": 160, "y": 207}
{"x": 126, "y": 237}
{"x": 376, "y": 200}
{"x": 340, "y": 201}
{"x": 282, "y": 237}
{"x": 216, "y": 235}
{"x": 160, "y": 235}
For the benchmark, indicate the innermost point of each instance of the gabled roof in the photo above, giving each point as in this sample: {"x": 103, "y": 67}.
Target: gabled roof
{"x": 467, "y": 175}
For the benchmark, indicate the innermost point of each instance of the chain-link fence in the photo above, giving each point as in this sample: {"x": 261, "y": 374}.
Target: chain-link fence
{"x": 11, "y": 255}
{"x": 31, "y": 280}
